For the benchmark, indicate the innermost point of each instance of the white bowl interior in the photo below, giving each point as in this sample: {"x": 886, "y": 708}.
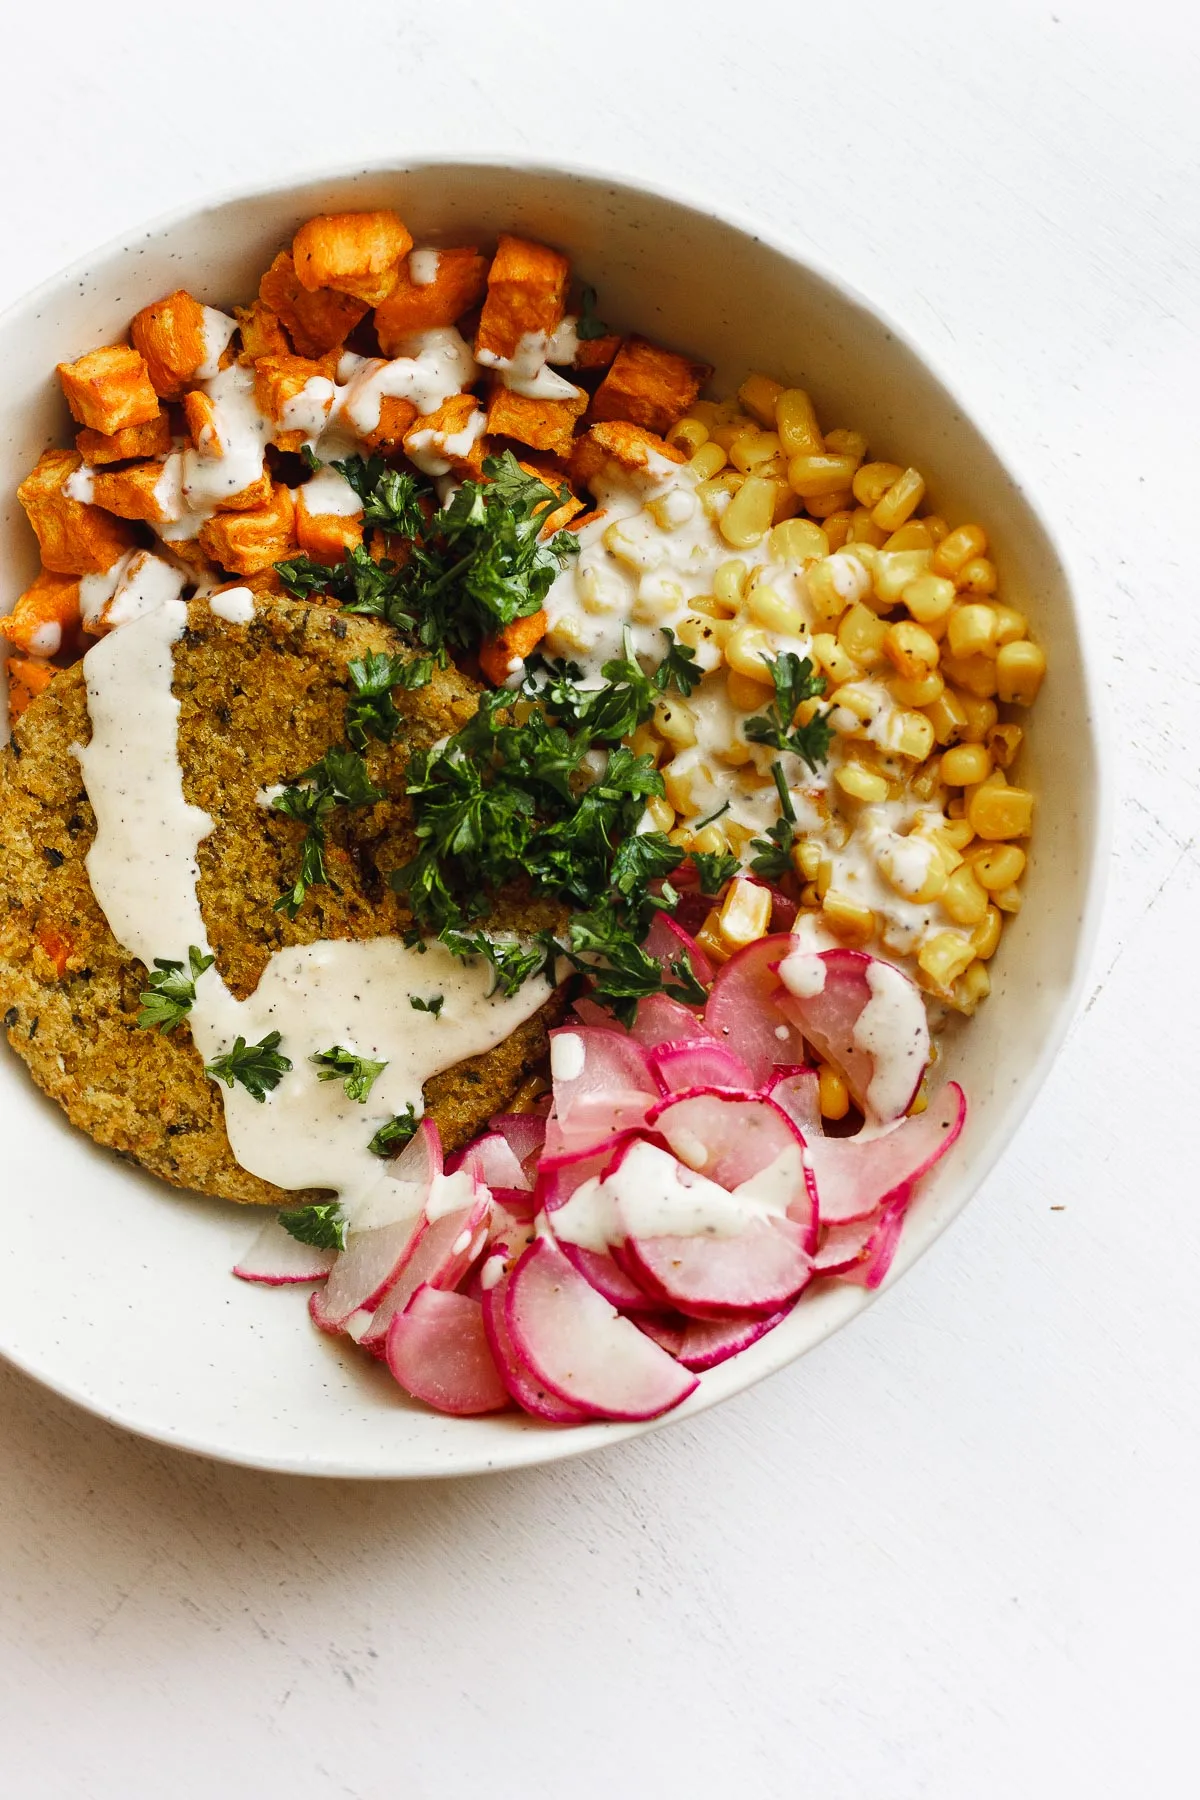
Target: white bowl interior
{"x": 117, "y": 1291}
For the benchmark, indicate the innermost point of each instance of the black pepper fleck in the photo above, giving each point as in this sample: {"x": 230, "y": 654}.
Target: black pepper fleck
{"x": 10, "y": 1018}
{"x": 55, "y": 858}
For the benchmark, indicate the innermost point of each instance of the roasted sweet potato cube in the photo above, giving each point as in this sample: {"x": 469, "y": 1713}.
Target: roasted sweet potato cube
{"x": 315, "y": 322}
{"x": 150, "y": 439}
{"x": 28, "y": 677}
{"x": 109, "y": 389}
{"x": 248, "y": 542}
{"x": 542, "y": 424}
{"x": 449, "y": 440}
{"x": 621, "y": 446}
{"x": 504, "y": 654}
{"x": 352, "y": 253}
{"x": 396, "y": 416}
{"x": 139, "y": 492}
{"x": 170, "y": 335}
{"x": 251, "y": 498}
{"x": 459, "y": 280}
{"x": 279, "y": 387}
{"x": 45, "y": 616}
{"x": 261, "y": 331}
{"x": 554, "y": 474}
{"x": 595, "y": 353}
{"x": 75, "y": 538}
{"x": 526, "y": 292}
{"x": 649, "y": 386}
{"x": 326, "y": 536}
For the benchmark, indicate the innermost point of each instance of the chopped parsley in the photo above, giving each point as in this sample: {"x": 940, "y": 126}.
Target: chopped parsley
{"x": 171, "y": 991}
{"x": 512, "y": 963}
{"x": 323, "y": 1225}
{"x": 433, "y": 1005}
{"x": 714, "y": 868}
{"x": 358, "y": 1074}
{"x": 775, "y": 850}
{"x": 587, "y": 325}
{"x": 370, "y": 709}
{"x": 395, "y": 1134}
{"x": 258, "y": 1067}
{"x": 390, "y": 499}
{"x": 795, "y": 682}
{"x": 339, "y": 779}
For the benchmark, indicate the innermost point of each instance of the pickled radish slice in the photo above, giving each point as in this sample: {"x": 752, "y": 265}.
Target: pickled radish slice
{"x": 700, "y": 1062}
{"x": 854, "y": 1176}
{"x": 758, "y": 1271}
{"x": 707, "y": 1342}
{"x": 866, "y": 1018}
{"x": 438, "y": 1351}
{"x": 602, "y": 1085}
{"x": 797, "y": 1092}
{"x": 741, "y": 1010}
{"x": 661, "y": 1020}
{"x": 727, "y": 1136}
{"x": 276, "y": 1259}
{"x": 669, "y": 943}
{"x": 442, "y": 1251}
{"x": 529, "y": 1392}
{"x": 525, "y": 1134}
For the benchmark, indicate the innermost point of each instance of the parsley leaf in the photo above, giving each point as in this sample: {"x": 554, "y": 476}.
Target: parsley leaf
{"x": 390, "y": 499}
{"x": 310, "y": 458}
{"x": 775, "y": 850}
{"x": 642, "y": 858}
{"x": 678, "y": 667}
{"x": 370, "y": 709}
{"x": 433, "y": 1006}
{"x": 795, "y": 682}
{"x": 512, "y": 963}
{"x": 358, "y": 1074}
{"x": 258, "y": 1067}
{"x": 171, "y": 992}
{"x": 322, "y": 1224}
{"x": 339, "y": 779}
{"x": 714, "y": 868}
{"x": 587, "y": 325}
{"x": 395, "y": 1134}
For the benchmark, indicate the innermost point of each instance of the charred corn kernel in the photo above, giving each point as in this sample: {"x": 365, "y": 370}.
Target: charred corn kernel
{"x": 986, "y": 935}
{"x": 909, "y": 734}
{"x": 1020, "y": 670}
{"x": 913, "y": 536}
{"x": 769, "y": 608}
{"x": 971, "y": 630}
{"x": 745, "y": 913}
{"x": 895, "y": 569}
{"x": 831, "y": 657}
{"x": 748, "y": 651}
{"x": 848, "y": 918}
{"x": 936, "y": 526}
{"x": 748, "y": 692}
{"x": 928, "y": 598}
{"x": 705, "y": 638}
{"x": 711, "y": 607}
{"x": 729, "y": 583}
{"x": 726, "y": 429}
{"x": 688, "y": 435}
{"x": 707, "y": 461}
{"x": 977, "y": 576}
{"x": 998, "y": 865}
{"x": 862, "y": 784}
{"x": 752, "y": 447}
{"x": 965, "y": 764}
{"x": 680, "y": 837}
{"x": 837, "y": 528}
{"x": 872, "y": 481}
{"x": 717, "y": 495}
{"x": 861, "y": 634}
{"x": 1010, "y": 624}
{"x": 813, "y": 476}
{"x": 901, "y": 500}
{"x": 758, "y": 395}
{"x": 1004, "y": 741}
{"x": 945, "y": 956}
{"x": 997, "y": 813}
{"x": 957, "y": 835}
{"x": 913, "y": 867}
{"x": 963, "y": 898}
{"x": 806, "y": 859}
{"x": 958, "y": 547}
{"x": 690, "y": 784}
{"x": 673, "y": 721}
{"x": 853, "y": 698}
{"x": 1008, "y": 899}
{"x": 655, "y": 597}
{"x": 923, "y": 782}
{"x": 980, "y": 715}
{"x": 910, "y": 650}
{"x": 796, "y": 423}
{"x": 974, "y": 674}
{"x": 947, "y": 716}
{"x": 833, "y": 1092}
{"x": 747, "y": 518}
{"x": 710, "y": 840}
{"x": 660, "y": 813}
{"x": 972, "y": 987}
{"x": 864, "y": 530}
{"x": 798, "y": 540}
{"x": 646, "y": 742}
{"x": 846, "y": 443}
{"x": 921, "y": 692}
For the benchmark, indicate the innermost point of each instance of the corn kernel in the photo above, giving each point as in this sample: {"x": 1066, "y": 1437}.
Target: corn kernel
{"x": 690, "y": 784}
{"x": 909, "y": 734}
{"x": 748, "y": 692}
{"x": 872, "y": 481}
{"x": 825, "y": 589}
{"x": 796, "y": 423}
{"x": 729, "y": 583}
{"x": 963, "y": 898}
{"x": 738, "y": 836}
{"x": 660, "y": 813}
{"x": 717, "y": 495}
{"x": 910, "y": 650}
{"x": 919, "y": 1102}
{"x": 957, "y": 835}
{"x": 629, "y": 546}
{"x": 848, "y": 918}
{"x": 745, "y": 913}
{"x": 673, "y": 721}
{"x": 864, "y": 530}
{"x": 947, "y": 716}
{"x": 986, "y": 935}
{"x": 956, "y": 549}
{"x": 831, "y": 657}
{"x": 707, "y": 461}
{"x": 747, "y": 518}
{"x": 913, "y": 536}
{"x": 895, "y": 569}
{"x": 646, "y": 742}
{"x": 799, "y": 541}
{"x": 971, "y": 630}
{"x": 688, "y": 435}
{"x": 809, "y": 896}
{"x": 813, "y": 476}
{"x": 787, "y": 504}
{"x": 921, "y": 692}
{"x": 759, "y": 395}
{"x": 655, "y": 595}
{"x": 837, "y": 528}
{"x": 710, "y": 841}
{"x": 823, "y": 880}
{"x": 997, "y": 813}
{"x": 833, "y": 1093}
{"x": 977, "y": 674}
{"x": 711, "y": 607}
{"x": 913, "y": 866}
{"x": 711, "y": 942}
{"x": 972, "y": 987}
{"x": 806, "y": 859}
{"x": 729, "y": 427}
{"x": 928, "y": 598}
{"x": 709, "y": 412}
{"x": 862, "y": 784}
{"x": 861, "y": 636}
{"x": 748, "y": 651}
{"x": 1020, "y": 669}
{"x": 681, "y": 837}
{"x": 944, "y": 957}
{"x": 752, "y": 447}
{"x": 965, "y": 764}
{"x": 977, "y": 576}
{"x": 846, "y": 443}
{"x": 1010, "y": 624}
{"x": 901, "y": 500}
{"x": 771, "y": 609}
{"x": 980, "y": 715}
{"x": 822, "y": 506}
{"x": 853, "y": 697}
{"x": 1004, "y": 741}
{"x": 998, "y": 865}
{"x": 936, "y": 526}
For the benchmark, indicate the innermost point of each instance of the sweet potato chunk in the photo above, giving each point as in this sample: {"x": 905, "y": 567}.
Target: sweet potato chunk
{"x": 326, "y": 536}
{"x": 649, "y": 386}
{"x": 45, "y": 616}
{"x": 248, "y": 542}
{"x": 151, "y": 439}
{"x": 452, "y": 437}
{"x": 352, "y": 253}
{"x": 554, "y": 474}
{"x": 396, "y": 416}
{"x": 542, "y": 424}
{"x": 618, "y": 445}
{"x": 315, "y": 322}
{"x": 135, "y": 493}
{"x": 28, "y": 677}
{"x": 510, "y": 645}
{"x": 526, "y": 291}
{"x": 262, "y": 333}
{"x": 411, "y": 306}
{"x": 596, "y": 353}
{"x": 281, "y": 380}
{"x": 109, "y": 389}
{"x": 170, "y": 335}
{"x": 75, "y": 538}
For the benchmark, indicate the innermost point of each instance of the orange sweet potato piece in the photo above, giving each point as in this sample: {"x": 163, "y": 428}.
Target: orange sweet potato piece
{"x": 133, "y": 493}
{"x": 315, "y": 322}
{"x": 170, "y": 335}
{"x": 526, "y": 291}
{"x": 649, "y": 386}
{"x": 279, "y": 380}
{"x": 109, "y": 389}
{"x": 542, "y": 424}
{"x": 326, "y": 536}
{"x": 262, "y": 334}
{"x": 626, "y": 446}
{"x": 352, "y": 253}
{"x": 27, "y": 678}
{"x": 512, "y": 644}
{"x": 151, "y": 439}
{"x": 248, "y": 542}
{"x": 75, "y": 538}
{"x": 444, "y": 434}
{"x": 552, "y": 472}
{"x": 44, "y": 615}
{"x": 396, "y": 416}
{"x": 596, "y": 353}
{"x": 460, "y": 280}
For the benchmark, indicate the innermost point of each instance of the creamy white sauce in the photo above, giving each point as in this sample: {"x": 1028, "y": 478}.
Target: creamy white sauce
{"x": 423, "y": 267}
{"x": 46, "y": 640}
{"x": 80, "y": 484}
{"x": 234, "y": 605}
{"x": 652, "y": 1194}
{"x": 566, "y": 1056}
{"x": 802, "y": 974}
{"x": 527, "y": 372}
{"x": 563, "y": 346}
{"x": 436, "y": 364}
{"x": 893, "y": 1029}
{"x": 309, "y": 410}
{"x": 431, "y": 451}
{"x": 328, "y": 492}
{"x": 357, "y": 994}
{"x": 216, "y": 332}
{"x": 145, "y": 584}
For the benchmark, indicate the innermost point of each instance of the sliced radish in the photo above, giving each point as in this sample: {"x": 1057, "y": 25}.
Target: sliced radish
{"x": 758, "y": 1271}
{"x": 559, "y": 1176}
{"x": 526, "y": 1388}
{"x": 525, "y": 1132}
{"x": 667, "y": 1333}
{"x": 707, "y": 1342}
{"x": 856, "y": 1175}
{"x": 571, "y": 1339}
{"x": 276, "y": 1259}
{"x": 742, "y": 1013}
{"x": 590, "y": 1012}
{"x": 602, "y": 1084}
{"x": 866, "y": 1018}
{"x": 364, "y": 1271}
{"x": 869, "y": 1270}
{"x": 443, "y": 1249}
{"x": 438, "y": 1350}
{"x": 492, "y": 1160}
{"x": 798, "y": 1093}
{"x": 844, "y": 1245}
{"x": 601, "y": 1270}
{"x": 785, "y": 1187}
{"x": 404, "y": 1183}
{"x": 669, "y": 943}
{"x": 727, "y": 1136}
{"x": 698, "y": 1062}
{"x": 661, "y": 1020}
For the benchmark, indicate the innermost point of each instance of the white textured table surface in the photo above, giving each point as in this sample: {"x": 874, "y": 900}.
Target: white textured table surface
{"x": 954, "y": 1553}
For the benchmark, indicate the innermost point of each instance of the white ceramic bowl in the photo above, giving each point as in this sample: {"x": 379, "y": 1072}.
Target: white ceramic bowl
{"x": 117, "y": 1291}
